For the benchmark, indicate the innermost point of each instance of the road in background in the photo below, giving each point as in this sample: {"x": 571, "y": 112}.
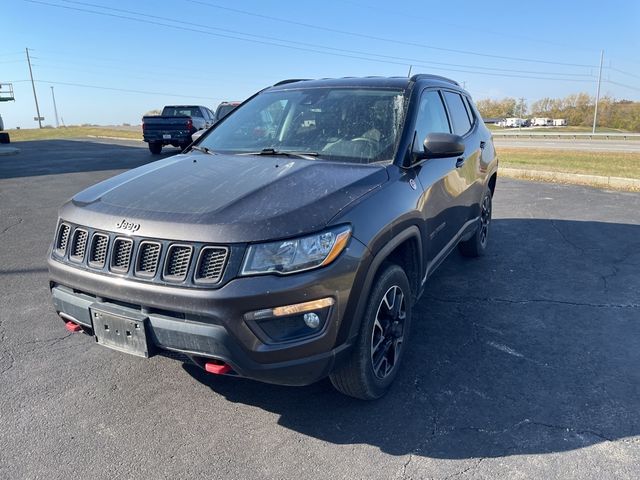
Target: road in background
{"x": 630, "y": 146}
{"x": 523, "y": 363}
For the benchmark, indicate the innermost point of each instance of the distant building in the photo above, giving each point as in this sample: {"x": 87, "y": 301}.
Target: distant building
{"x": 559, "y": 122}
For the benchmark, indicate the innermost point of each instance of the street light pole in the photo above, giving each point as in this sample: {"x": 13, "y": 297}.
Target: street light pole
{"x": 595, "y": 113}
{"x": 33, "y": 85}
{"x": 55, "y": 108}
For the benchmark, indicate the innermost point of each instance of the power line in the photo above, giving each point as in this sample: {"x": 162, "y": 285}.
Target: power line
{"x": 125, "y": 90}
{"x": 282, "y": 45}
{"x": 623, "y": 72}
{"x": 623, "y": 85}
{"x": 382, "y": 39}
{"x": 312, "y": 45}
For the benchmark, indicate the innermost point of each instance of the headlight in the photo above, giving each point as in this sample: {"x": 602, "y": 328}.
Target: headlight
{"x": 296, "y": 255}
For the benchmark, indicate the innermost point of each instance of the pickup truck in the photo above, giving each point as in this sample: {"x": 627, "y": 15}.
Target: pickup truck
{"x": 224, "y": 109}
{"x": 175, "y": 126}
{"x": 291, "y": 240}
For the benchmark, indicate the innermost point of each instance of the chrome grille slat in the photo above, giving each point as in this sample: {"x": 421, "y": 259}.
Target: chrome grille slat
{"x": 211, "y": 264}
{"x": 148, "y": 257}
{"x": 121, "y": 255}
{"x": 78, "y": 245}
{"x": 98, "y": 250}
{"x": 177, "y": 262}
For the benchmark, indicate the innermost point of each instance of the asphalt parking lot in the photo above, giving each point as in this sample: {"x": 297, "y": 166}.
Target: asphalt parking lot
{"x": 522, "y": 364}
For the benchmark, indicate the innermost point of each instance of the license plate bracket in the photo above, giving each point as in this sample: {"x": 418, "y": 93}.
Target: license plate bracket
{"x": 166, "y": 136}
{"x": 123, "y": 332}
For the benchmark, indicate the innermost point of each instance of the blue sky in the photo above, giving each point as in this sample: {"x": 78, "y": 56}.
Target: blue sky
{"x": 206, "y": 51}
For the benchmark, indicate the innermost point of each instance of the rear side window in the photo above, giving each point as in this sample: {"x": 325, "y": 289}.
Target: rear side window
{"x": 458, "y": 112}
{"x": 432, "y": 117}
{"x": 470, "y": 110}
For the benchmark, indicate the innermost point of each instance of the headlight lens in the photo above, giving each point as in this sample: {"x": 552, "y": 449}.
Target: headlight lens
{"x": 296, "y": 255}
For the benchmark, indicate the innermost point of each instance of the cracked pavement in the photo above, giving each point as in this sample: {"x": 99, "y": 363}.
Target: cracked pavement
{"x": 522, "y": 364}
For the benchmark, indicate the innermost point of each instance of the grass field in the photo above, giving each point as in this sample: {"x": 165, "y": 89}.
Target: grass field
{"x": 72, "y": 132}
{"x": 608, "y": 164}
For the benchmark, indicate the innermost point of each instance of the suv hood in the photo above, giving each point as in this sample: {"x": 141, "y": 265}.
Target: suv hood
{"x": 224, "y": 198}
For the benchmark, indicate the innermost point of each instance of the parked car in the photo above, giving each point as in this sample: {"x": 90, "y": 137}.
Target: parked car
{"x": 292, "y": 240}
{"x": 224, "y": 109}
{"x": 4, "y": 136}
{"x": 175, "y": 126}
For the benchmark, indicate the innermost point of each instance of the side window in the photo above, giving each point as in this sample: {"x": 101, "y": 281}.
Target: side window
{"x": 470, "y": 111}
{"x": 458, "y": 112}
{"x": 432, "y": 117}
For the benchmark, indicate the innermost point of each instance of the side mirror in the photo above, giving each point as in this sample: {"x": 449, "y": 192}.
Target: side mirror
{"x": 441, "y": 145}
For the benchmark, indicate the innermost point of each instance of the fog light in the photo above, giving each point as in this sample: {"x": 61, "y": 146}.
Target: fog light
{"x": 312, "y": 320}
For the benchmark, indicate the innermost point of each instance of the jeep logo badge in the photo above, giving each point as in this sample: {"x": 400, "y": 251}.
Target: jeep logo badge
{"x": 133, "y": 227}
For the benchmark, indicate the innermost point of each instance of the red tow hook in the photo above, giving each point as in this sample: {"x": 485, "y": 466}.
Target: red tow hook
{"x": 217, "y": 368}
{"x": 72, "y": 327}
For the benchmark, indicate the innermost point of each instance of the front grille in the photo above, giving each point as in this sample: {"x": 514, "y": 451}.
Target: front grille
{"x": 121, "y": 256}
{"x": 149, "y": 260}
{"x": 211, "y": 264}
{"x": 78, "y": 245}
{"x": 148, "y": 256}
{"x": 177, "y": 263}
{"x": 62, "y": 239}
{"x": 98, "y": 250}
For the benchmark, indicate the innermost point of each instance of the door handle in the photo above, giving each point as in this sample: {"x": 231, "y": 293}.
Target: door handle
{"x": 459, "y": 162}
{"x": 482, "y": 145}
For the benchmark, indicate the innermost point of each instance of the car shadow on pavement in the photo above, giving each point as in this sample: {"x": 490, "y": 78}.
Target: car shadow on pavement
{"x": 534, "y": 348}
{"x": 54, "y": 157}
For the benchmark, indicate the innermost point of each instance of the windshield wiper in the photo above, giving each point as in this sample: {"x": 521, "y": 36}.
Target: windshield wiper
{"x": 202, "y": 149}
{"x": 272, "y": 152}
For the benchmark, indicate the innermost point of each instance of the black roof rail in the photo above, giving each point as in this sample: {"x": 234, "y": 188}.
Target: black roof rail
{"x": 428, "y": 76}
{"x": 290, "y": 80}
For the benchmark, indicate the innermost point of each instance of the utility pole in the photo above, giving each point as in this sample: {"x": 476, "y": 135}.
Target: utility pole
{"x": 33, "y": 85}
{"x": 409, "y": 74}
{"x": 595, "y": 113}
{"x": 521, "y": 113}
{"x": 55, "y": 108}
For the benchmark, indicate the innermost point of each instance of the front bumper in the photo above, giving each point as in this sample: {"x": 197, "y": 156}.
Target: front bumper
{"x": 210, "y": 323}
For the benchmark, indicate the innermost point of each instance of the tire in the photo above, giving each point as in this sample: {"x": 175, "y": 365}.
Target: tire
{"x": 4, "y": 137}
{"x": 155, "y": 147}
{"x": 374, "y": 362}
{"x": 476, "y": 246}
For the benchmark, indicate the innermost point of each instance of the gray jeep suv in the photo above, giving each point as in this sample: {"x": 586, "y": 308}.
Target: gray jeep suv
{"x": 289, "y": 242}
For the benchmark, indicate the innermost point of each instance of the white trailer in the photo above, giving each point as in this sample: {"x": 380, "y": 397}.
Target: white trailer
{"x": 559, "y": 122}
{"x": 541, "y": 122}
{"x": 514, "y": 122}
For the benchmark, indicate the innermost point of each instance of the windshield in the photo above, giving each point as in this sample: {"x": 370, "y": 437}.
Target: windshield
{"x": 340, "y": 124}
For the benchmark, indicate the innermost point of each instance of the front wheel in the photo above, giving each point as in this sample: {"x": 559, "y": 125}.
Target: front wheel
{"x": 375, "y": 360}
{"x": 476, "y": 246}
{"x": 155, "y": 147}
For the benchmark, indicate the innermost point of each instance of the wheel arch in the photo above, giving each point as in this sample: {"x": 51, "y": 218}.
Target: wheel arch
{"x": 404, "y": 249}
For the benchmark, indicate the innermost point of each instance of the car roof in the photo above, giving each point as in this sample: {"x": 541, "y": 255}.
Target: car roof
{"x": 364, "y": 82}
